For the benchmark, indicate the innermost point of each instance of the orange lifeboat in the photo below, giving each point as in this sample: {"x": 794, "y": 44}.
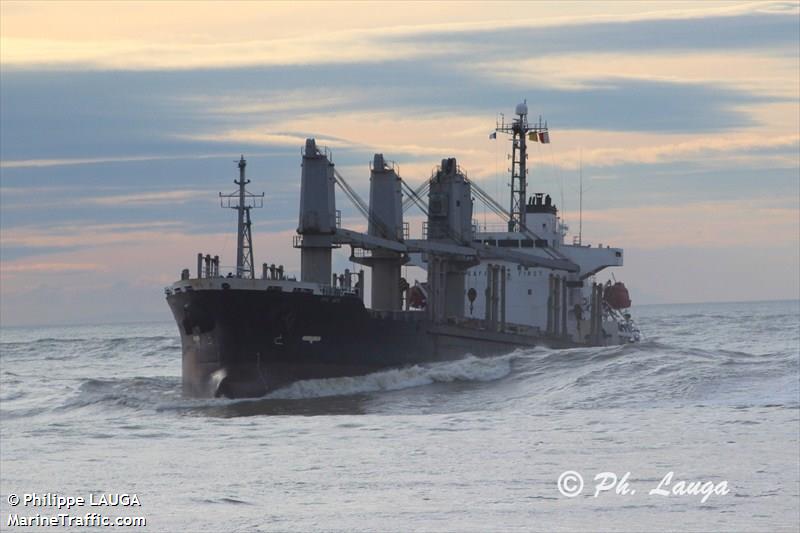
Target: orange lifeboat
{"x": 616, "y": 296}
{"x": 416, "y": 298}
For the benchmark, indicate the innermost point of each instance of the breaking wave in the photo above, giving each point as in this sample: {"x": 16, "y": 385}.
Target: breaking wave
{"x": 470, "y": 368}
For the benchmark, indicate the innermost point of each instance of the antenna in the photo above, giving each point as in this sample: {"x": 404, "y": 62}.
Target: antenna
{"x": 580, "y": 216}
{"x": 561, "y": 179}
{"x": 243, "y": 201}
{"x": 519, "y": 128}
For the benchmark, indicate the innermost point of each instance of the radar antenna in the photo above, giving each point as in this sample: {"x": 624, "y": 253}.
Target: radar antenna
{"x": 243, "y": 201}
{"x": 521, "y": 131}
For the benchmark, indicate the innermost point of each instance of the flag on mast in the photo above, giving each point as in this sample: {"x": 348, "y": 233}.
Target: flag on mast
{"x": 539, "y": 137}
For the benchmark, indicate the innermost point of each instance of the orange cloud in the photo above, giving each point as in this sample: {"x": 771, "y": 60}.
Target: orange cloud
{"x": 155, "y": 35}
{"x": 753, "y": 71}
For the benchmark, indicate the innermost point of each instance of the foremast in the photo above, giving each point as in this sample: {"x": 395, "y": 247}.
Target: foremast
{"x": 243, "y": 201}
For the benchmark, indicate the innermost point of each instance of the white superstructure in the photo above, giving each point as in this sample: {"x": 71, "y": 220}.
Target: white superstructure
{"x": 529, "y": 293}
{"x": 559, "y": 302}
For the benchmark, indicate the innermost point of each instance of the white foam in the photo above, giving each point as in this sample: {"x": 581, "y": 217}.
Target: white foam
{"x": 470, "y": 368}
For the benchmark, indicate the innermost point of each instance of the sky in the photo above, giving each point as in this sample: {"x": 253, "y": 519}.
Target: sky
{"x": 120, "y": 122}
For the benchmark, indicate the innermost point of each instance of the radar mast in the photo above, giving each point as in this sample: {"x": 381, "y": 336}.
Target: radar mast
{"x": 521, "y": 131}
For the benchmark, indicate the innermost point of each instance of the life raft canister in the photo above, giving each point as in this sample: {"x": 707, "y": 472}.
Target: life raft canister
{"x": 616, "y": 296}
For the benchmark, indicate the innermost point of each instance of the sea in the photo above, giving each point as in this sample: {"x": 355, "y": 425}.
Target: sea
{"x": 696, "y": 428}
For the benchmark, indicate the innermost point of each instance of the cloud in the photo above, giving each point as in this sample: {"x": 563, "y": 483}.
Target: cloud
{"x": 260, "y": 137}
{"x": 366, "y": 37}
{"x": 88, "y": 118}
{"x": 37, "y": 163}
{"x": 683, "y": 30}
{"x": 770, "y": 73}
{"x": 89, "y": 235}
{"x": 138, "y": 55}
{"x": 161, "y": 197}
{"x": 14, "y": 268}
{"x": 692, "y": 148}
{"x": 55, "y": 198}
{"x": 299, "y": 100}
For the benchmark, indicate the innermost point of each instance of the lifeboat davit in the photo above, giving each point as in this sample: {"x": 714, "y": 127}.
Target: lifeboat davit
{"x": 616, "y": 296}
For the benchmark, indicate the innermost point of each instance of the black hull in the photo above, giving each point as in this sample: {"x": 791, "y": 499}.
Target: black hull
{"x": 245, "y": 343}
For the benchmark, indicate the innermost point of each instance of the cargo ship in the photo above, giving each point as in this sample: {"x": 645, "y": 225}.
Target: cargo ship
{"x": 487, "y": 291}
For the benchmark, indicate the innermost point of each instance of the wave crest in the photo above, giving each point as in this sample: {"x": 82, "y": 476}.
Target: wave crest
{"x": 470, "y": 368}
